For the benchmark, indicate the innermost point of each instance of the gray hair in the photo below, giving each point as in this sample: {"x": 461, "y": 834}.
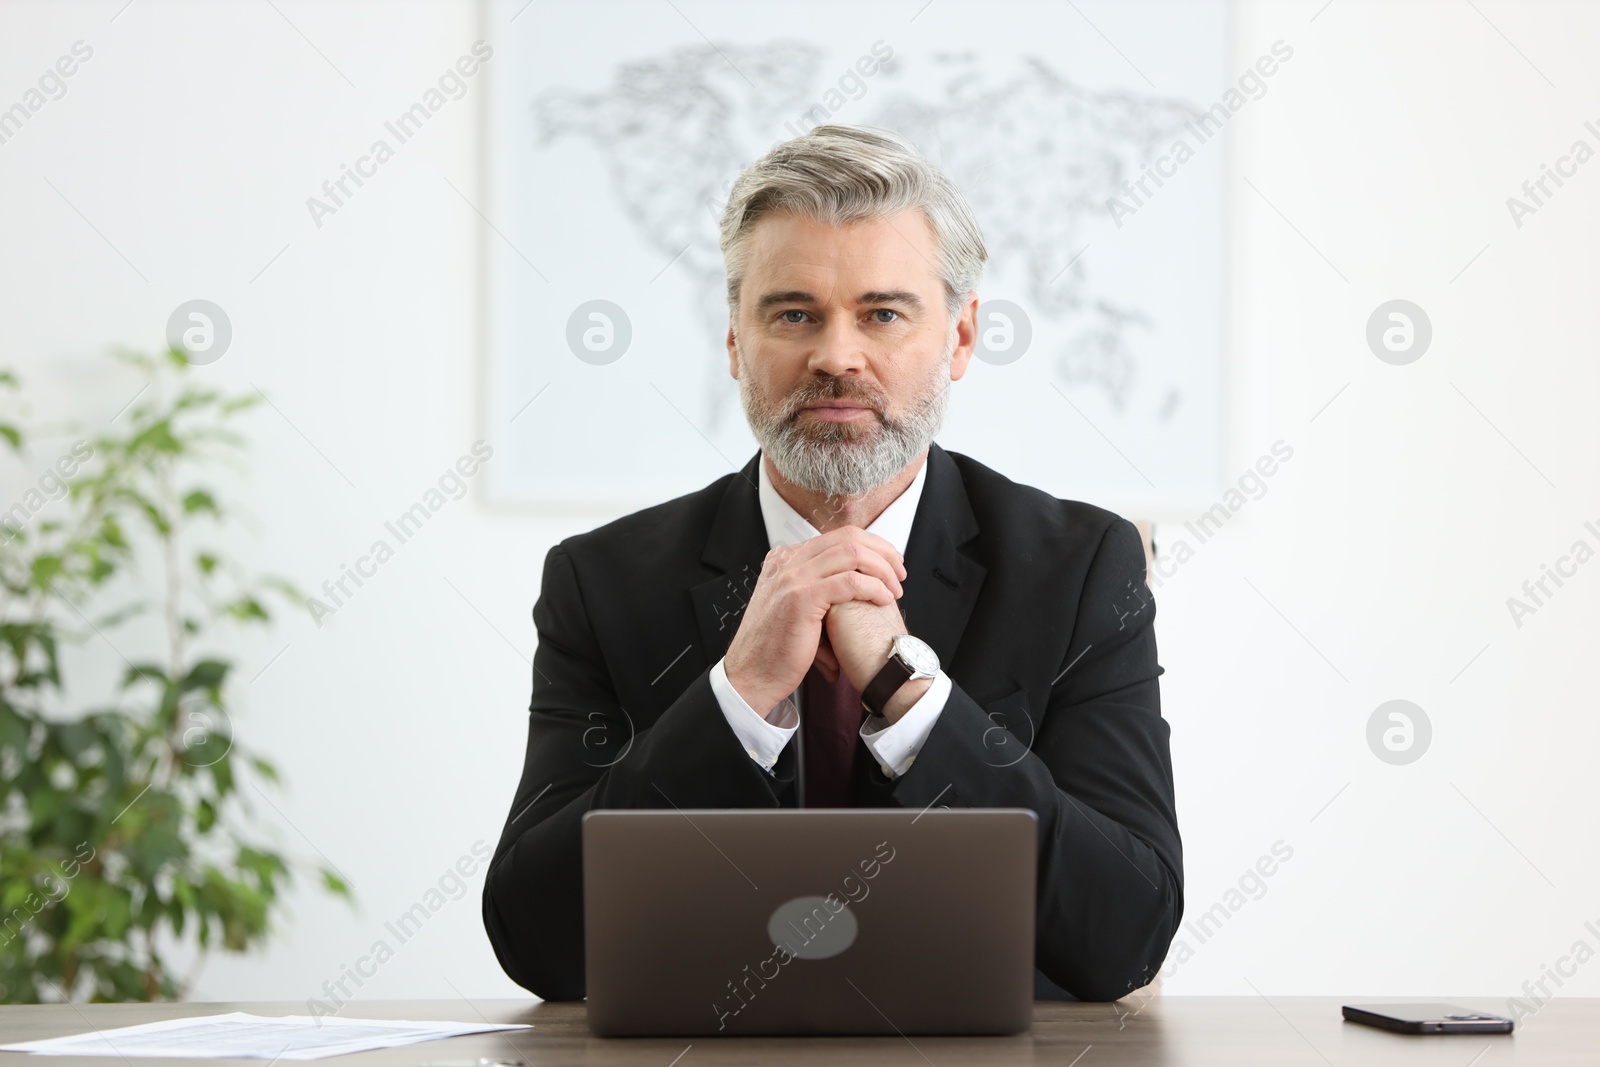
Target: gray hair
{"x": 837, "y": 174}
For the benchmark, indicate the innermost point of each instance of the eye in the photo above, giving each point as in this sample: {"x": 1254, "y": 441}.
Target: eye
{"x": 886, "y": 311}
{"x": 784, "y": 315}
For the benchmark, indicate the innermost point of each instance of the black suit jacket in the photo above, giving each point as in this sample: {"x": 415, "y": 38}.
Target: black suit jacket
{"x": 1040, "y": 615}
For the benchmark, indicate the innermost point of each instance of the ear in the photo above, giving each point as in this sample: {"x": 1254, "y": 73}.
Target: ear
{"x": 733, "y": 353}
{"x": 966, "y": 337}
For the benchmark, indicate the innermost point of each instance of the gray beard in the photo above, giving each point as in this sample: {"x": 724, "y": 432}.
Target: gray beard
{"x": 840, "y": 460}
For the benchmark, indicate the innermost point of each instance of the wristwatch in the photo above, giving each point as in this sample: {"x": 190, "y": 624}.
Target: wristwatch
{"x": 909, "y": 657}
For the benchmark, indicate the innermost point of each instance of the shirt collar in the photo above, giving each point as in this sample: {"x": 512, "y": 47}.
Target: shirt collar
{"x": 786, "y": 526}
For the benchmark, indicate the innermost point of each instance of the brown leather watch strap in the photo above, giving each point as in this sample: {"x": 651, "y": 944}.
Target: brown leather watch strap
{"x": 886, "y": 683}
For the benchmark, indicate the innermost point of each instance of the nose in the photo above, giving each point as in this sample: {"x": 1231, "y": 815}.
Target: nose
{"x": 839, "y": 347}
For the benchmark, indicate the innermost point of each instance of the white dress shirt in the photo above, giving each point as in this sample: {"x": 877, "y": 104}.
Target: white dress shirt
{"x": 763, "y": 737}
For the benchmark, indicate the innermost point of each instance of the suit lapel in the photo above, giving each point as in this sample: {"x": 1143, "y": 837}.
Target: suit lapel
{"x": 941, "y": 586}
{"x": 735, "y": 549}
{"x": 942, "y": 583}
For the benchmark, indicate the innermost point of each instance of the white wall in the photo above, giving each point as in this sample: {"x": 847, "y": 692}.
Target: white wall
{"x": 1414, "y": 505}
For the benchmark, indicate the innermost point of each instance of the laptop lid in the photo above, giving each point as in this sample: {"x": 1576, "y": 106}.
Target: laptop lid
{"x": 809, "y": 921}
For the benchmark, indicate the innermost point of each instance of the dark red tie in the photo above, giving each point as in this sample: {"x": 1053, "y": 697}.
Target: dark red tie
{"x": 830, "y": 724}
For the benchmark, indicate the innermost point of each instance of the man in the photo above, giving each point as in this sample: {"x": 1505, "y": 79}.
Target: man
{"x": 933, "y": 632}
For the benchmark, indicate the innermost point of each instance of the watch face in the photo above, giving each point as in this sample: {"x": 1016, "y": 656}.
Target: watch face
{"x": 918, "y": 654}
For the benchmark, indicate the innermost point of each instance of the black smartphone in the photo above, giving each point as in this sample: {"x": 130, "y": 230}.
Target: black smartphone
{"x": 1427, "y": 1019}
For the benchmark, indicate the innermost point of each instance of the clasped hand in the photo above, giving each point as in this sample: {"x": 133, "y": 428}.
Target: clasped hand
{"x": 831, "y": 601}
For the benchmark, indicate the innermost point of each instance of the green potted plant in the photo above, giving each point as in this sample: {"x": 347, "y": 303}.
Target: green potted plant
{"x": 124, "y": 826}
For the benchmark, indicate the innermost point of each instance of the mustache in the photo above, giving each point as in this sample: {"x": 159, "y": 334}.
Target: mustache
{"x": 832, "y": 387}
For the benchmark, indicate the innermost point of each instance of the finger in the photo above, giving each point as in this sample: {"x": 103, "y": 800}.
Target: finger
{"x": 853, "y": 585}
{"x": 826, "y": 661}
{"x": 881, "y": 546}
{"x": 847, "y": 556}
{"x": 868, "y": 560}
{"x": 840, "y": 588}
{"x": 856, "y": 535}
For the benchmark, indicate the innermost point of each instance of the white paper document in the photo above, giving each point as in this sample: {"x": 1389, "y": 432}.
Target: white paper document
{"x": 237, "y": 1034}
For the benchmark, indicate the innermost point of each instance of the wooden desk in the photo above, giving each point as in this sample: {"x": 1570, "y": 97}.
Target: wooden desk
{"x": 1236, "y": 1031}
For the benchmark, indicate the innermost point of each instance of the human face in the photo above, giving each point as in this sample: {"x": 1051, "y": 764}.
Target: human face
{"x": 843, "y": 347}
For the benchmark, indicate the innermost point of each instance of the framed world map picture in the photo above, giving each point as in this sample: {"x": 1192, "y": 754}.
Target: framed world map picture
{"x": 1091, "y": 140}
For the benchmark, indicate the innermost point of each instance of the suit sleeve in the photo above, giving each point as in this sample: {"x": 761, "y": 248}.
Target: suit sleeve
{"x": 1099, "y": 775}
{"x": 585, "y": 751}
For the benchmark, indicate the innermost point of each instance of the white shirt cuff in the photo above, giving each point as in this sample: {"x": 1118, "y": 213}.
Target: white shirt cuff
{"x": 894, "y": 747}
{"x": 763, "y": 738}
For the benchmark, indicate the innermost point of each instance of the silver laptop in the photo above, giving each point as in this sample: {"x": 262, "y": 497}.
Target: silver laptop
{"x": 809, "y": 921}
